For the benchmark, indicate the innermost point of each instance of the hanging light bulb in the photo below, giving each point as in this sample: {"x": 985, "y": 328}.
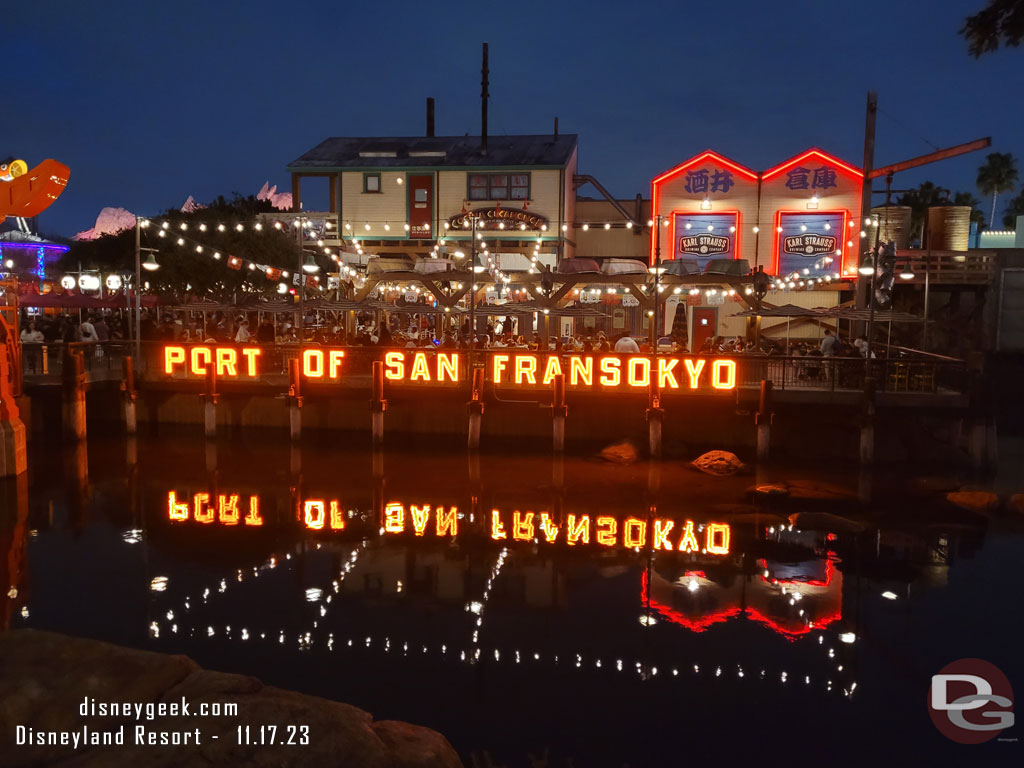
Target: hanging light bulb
{"x": 151, "y": 263}
{"x": 310, "y": 265}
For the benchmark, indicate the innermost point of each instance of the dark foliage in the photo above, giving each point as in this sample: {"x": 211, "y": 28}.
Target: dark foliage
{"x": 1001, "y": 22}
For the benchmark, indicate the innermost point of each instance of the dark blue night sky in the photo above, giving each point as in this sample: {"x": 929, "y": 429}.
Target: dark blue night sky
{"x": 151, "y": 102}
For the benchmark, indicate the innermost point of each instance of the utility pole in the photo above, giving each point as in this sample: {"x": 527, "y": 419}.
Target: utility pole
{"x": 138, "y": 289}
{"x": 871, "y": 112}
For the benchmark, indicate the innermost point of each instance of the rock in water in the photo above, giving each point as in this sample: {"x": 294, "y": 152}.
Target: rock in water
{"x": 619, "y": 453}
{"x": 719, "y": 463}
{"x": 974, "y": 501}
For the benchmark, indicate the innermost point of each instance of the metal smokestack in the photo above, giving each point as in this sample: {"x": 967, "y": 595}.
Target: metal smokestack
{"x": 430, "y": 116}
{"x": 484, "y": 72}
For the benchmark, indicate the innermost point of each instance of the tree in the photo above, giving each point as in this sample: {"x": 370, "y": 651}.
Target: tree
{"x": 1014, "y": 209}
{"x": 185, "y": 272}
{"x": 997, "y": 175}
{"x": 977, "y": 215}
{"x": 919, "y": 201}
{"x": 1001, "y": 22}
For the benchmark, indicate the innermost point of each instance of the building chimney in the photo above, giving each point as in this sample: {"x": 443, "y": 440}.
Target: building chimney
{"x": 556, "y": 129}
{"x": 484, "y": 72}
{"x": 430, "y": 116}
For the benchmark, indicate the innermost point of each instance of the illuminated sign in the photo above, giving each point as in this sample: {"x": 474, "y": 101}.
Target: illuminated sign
{"x": 809, "y": 245}
{"x": 705, "y": 236}
{"x": 668, "y": 373}
{"x": 446, "y": 522}
{"x": 513, "y": 218}
{"x": 704, "y": 244}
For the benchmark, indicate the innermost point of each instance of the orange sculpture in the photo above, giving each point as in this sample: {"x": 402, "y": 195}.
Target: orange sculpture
{"x": 25, "y": 192}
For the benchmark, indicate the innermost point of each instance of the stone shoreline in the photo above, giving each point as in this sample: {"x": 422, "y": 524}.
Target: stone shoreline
{"x": 45, "y": 677}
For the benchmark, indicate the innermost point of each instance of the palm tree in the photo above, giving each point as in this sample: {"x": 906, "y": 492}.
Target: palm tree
{"x": 966, "y": 198}
{"x": 998, "y": 174}
{"x": 1014, "y": 209}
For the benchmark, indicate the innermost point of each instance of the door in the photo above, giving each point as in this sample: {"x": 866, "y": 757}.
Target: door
{"x": 705, "y": 325}
{"x": 421, "y": 206}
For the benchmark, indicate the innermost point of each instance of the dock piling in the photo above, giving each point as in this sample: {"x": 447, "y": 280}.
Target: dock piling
{"x": 74, "y": 395}
{"x": 130, "y": 395}
{"x": 867, "y": 424}
{"x": 559, "y": 411}
{"x": 377, "y": 403}
{"x": 476, "y": 409}
{"x": 655, "y": 417}
{"x": 210, "y": 399}
{"x": 763, "y": 419}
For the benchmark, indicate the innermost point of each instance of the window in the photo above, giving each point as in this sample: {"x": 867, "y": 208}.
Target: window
{"x": 371, "y": 182}
{"x": 498, "y": 186}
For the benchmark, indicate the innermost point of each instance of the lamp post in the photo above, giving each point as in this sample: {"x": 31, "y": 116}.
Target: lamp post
{"x": 152, "y": 265}
{"x": 656, "y": 269}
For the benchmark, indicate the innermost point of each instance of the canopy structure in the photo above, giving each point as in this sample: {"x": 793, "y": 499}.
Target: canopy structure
{"x": 76, "y": 301}
{"x": 531, "y": 307}
{"x": 833, "y": 313}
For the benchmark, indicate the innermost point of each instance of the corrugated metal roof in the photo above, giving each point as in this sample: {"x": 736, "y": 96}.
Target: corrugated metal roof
{"x": 401, "y": 152}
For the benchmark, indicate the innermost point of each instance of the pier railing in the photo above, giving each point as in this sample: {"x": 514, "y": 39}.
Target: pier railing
{"x": 902, "y": 371}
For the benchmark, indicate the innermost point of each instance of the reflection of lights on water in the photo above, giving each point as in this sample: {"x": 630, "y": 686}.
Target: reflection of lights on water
{"x": 648, "y": 621}
{"x": 24, "y": 611}
{"x": 889, "y": 595}
{"x": 475, "y": 607}
{"x": 12, "y": 592}
{"x": 154, "y": 629}
{"x": 398, "y": 585}
{"x": 314, "y": 594}
{"x": 158, "y": 584}
{"x": 132, "y": 535}
{"x": 693, "y": 585}
{"x": 848, "y": 637}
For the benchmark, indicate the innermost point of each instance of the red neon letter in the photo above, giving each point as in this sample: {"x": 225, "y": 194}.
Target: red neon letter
{"x": 611, "y": 376}
{"x": 250, "y": 354}
{"x": 575, "y": 531}
{"x": 253, "y": 518}
{"x": 173, "y": 356}
{"x": 634, "y": 533}
{"x": 337, "y": 517}
{"x": 201, "y": 510}
{"x": 448, "y": 365}
{"x": 526, "y": 367}
{"x": 606, "y": 531}
{"x": 394, "y": 518}
{"x": 662, "y": 528}
{"x": 688, "y": 543}
{"x": 644, "y": 377}
{"x": 227, "y": 509}
{"x": 498, "y": 367}
{"x": 693, "y": 370}
{"x": 581, "y": 369}
{"x": 551, "y": 369}
{"x": 314, "y": 514}
{"x": 723, "y": 374}
{"x": 313, "y": 363}
{"x": 548, "y": 526}
{"x": 199, "y": 367}
{"x": 497, "y": 527}
{"x": 227, "y": 360}
{"x": 446, "y": 523}
{"x": 522, "y": 526}
{"x": 419, "y": 518}
{"x": 394, "y": 366}
{"x": 419, "y": 368}
{"x": 334, "y": 358}
{"x": 667, "y": 379}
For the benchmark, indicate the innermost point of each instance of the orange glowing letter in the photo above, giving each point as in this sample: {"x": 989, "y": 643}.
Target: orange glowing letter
{"x": 717, "y": 538}
{"x": 313, "y": 363}
{"x": 394, "y": 366}
{"x": 227, "y": 360}
{"x": 611, "y": 376}
{"x": 662, "y": 528}
{"x": 522, "y": 526}
{"x": 498, "y": 367}
{"x": 448, "y": 365}
{"x": 446, "y": 523}
{"x": 634, "y": 533}
{"x": 314, "y": 514}
{"x": 173, "y": 356}
{"x": 526, "y": 367}
{"x": 201, "y": 510}
{"x": 394, "y": 517}
{"x": 497, "y": 527}
{"x": 227, "y": 509}
{"x": 576, "y": 531}
{"x": 176, "y": 510}
{"x": 581, "y": 369}
{"x": 337, "y": 517}
{"x": 688, "y": 543}
{"x": 723, "y": 374}
{"x": 693, "y": 371}
{"x": 551, "y": 369}
{"x": 548, "y": 526}
{"x": 420, "y": 516}
{"x": 419, "y": 368}
{"x": 253, "y": 518}
{"x": 667, "y": 379}
{"x": 643, "y": 379}
{"x": 250, "y": 354}
{"x": 606, "y": 527}
{"x": 334, "y": 358}
{"x": 199, "y": 366}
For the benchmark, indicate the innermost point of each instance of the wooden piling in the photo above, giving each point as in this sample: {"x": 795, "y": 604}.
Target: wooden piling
{"x": 377, "y": 403}
{"x": 476, "y": 409}
{"x": 294, "y": 400}
{"x": 867, "y": 424}
{"x": 559, "y": 411}
{"x": 763, "y": 419}
{"x": 130, "y": 395}
{"x": 210, "y": 399}
{"x": 74, "y": 395}
{"x": 655, "y": 417}
{"x": 13, "y": 443}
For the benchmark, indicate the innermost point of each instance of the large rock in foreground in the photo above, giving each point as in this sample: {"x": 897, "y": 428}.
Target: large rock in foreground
{"x": 45, "y": 677}
{"x": 719, "y": 463}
